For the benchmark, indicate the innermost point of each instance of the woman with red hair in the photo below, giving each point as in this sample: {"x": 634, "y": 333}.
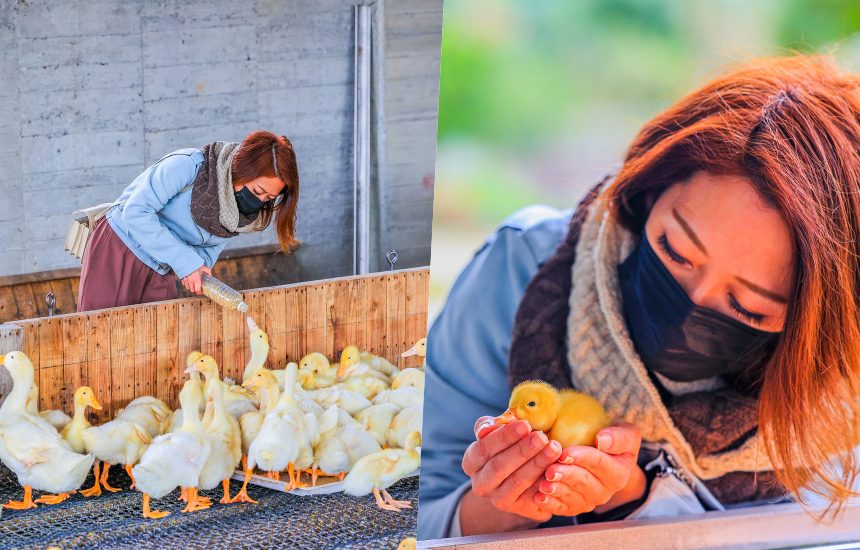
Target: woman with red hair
{"x": 706, "y": 294}
{"x": 178, "y": 215}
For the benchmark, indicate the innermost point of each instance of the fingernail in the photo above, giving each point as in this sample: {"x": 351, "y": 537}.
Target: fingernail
{"x": 549, "y": 491}
{"x": 555, "y": 446}
{"x": 556, "y": 476}
{"x": 537, "y": 440}
{"x": 543, "y": 499}
{"x": 567, "y": 460}
{"x": 521, "y": 429}
{"x": 604, "y": 440}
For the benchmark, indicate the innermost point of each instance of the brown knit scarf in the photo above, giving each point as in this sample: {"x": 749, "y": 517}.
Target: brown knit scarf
{"x": 207, "y": 191}
{"x": 711, "y": 422}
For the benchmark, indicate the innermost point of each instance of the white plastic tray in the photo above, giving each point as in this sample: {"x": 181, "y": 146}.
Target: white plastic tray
{"x": 325, "y": 484}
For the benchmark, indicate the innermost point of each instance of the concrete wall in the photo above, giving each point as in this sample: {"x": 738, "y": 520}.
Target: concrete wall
{"x": 93, "y": 91}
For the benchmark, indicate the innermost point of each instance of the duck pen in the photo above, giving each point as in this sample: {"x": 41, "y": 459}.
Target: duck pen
{"x": 128, "y": 352}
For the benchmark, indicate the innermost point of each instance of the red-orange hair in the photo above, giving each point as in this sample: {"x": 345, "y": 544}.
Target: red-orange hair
{"x": 789, "y": 124}
{"x": 254, "y": 160}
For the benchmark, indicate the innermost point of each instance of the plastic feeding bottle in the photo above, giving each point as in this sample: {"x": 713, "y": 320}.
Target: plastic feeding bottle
{"x": 222, "y": 294}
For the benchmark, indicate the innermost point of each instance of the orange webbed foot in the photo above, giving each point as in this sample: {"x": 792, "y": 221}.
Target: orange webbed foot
{"x": 54, "y": 499}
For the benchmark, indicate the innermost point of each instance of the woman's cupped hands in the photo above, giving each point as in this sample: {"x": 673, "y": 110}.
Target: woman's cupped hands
{"x": 525, "y": 473}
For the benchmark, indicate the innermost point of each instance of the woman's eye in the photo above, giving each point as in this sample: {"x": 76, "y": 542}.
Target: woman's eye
{"x": 663, "y": 243}
{"x": 755, "y": 318}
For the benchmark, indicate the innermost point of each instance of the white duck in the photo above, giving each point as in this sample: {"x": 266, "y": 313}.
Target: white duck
{"x": 378, "y": 471}
{"x": 195, "y": 378}
{"x": 31, "y": 447}
{"x": 176, "y": 459}
{"x": 377, "y": 420}
{"x": 225, "y": 441}
{"x": 407, "y": 421}
{"x": 355, "y": 361}
{"x": 56, "y": 418}
{"x": 402, "y": 397}
{"x": 410, "y": 377}
{"x": 286, "y": 437}
{"x": 259, "y": 343}
{"x": 345, "y": 399}
{"x": 419, "y": 349}
{"x": 315, "y": 371}
{"x": 237, "y": 400}
{"x": 265, "y": 386}
{"x": 147, "y": 411}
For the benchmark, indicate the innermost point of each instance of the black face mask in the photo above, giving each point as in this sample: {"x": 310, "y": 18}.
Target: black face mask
{"x": 248, "y": 202}
{"x": 674, "y": 336}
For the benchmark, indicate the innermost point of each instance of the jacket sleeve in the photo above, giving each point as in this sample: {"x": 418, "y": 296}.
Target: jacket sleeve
{"x": 140, "y": 213}
{"x": 467, "y": 351}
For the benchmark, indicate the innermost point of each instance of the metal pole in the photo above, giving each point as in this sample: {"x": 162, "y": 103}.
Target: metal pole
{"x": 361, "y": 141}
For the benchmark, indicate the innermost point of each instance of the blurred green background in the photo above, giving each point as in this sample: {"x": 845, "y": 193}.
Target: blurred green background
{"x": 540, "y": 98}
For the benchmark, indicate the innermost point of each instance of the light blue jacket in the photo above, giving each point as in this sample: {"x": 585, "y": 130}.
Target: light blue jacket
{"x": 467, "y": 354}
{"x": 154, "y": 217}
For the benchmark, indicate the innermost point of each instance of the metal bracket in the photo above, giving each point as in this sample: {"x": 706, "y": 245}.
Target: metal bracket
{"x": 391, "y": 256}
{"x": 51, "y": 301}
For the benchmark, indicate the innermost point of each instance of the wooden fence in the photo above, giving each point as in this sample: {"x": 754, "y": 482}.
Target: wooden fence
{"x": 127, "y": 352}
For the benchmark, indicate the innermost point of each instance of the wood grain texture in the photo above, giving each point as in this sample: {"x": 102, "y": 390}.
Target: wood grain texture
{"x": 127, "y": 352}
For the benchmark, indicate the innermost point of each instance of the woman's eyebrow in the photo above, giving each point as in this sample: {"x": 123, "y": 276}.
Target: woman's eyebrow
{"x": 689, "y": 231}
{"x": 763, "y": 291}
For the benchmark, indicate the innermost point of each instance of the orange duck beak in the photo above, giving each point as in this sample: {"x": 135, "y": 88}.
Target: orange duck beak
{"x": 506, "y": 417}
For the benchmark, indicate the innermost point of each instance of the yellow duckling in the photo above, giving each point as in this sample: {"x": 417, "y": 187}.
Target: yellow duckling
{"x": 315, "y": 371}
{"x": 351, "y": 358}
{"x": 31, "y": 447}
{"x": 407, "y": 421}
{"x": 380, "y": 470}
{"x": 567, "y": 416}
{"x": 194, "y": 377}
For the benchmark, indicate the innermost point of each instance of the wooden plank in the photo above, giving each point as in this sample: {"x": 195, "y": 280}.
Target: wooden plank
{"x": 122, "y": 367}
{"x": 8, "y": 306}
{"x": 189, "y": 338}
{"x": 24, "y": 301}
{"x": 233, "y": 330}
{"x": 256, "y": 301}
{"x": 276, "y": 324}
{"x": 11, "y": 339}
{"x": 375, "y": 314}
{"x": 75, "y": 283}
{"x": 66, "y": 301}
{"x": 98, "y": 372}
{"x": 50, "y": 373}
{"x": 770, "y": 526}
{"x": 295, "y": 342}
{"x": 145, "y": 350}
{"x": 211, "y": 328}
{"x": 74, "y": 331}
{"x": 167, "y": 353}
{"x": 317, "y": 321}
{"x": 395, "y": 318}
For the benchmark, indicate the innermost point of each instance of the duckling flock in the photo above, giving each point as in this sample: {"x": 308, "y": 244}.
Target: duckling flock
{"x": 359, "y": 420}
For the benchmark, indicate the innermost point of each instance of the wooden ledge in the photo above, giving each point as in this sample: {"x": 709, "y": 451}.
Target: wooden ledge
{"x": 770, "y": 526}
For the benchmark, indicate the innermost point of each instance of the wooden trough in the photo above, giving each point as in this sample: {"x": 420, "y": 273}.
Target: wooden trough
{"x": 127, "y": 352}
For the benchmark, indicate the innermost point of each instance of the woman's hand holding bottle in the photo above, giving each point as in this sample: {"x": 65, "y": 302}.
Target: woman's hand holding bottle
{"x": 192, "y": 282}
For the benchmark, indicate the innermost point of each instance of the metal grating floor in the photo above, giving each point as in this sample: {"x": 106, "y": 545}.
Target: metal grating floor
{"x": 280, "y": 520}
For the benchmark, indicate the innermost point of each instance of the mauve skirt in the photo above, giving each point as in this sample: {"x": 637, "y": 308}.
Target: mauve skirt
{"x": 112, "y": 276}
